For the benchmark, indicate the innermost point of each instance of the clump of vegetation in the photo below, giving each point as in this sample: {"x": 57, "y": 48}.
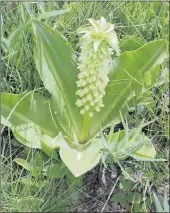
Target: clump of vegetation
{"x": 74, "y": 102}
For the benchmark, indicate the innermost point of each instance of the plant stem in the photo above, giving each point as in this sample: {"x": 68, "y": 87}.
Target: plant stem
{"x": 85, "y": 128}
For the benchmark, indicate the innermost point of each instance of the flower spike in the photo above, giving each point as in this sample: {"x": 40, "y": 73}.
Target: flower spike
{"x": 97, "y": 45}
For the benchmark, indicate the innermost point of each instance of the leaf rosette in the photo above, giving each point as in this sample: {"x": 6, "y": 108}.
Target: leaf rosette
{"x": 87, "y": 93}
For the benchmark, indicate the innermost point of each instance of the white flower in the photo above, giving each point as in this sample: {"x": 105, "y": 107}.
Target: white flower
{"x": 98, "y": 32}
{"x": 97, "y": 46}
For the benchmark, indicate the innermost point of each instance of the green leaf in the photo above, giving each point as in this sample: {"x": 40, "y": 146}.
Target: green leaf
{"x": 57, "y": 104}
{"x": 50, "y": 147}
{"x": 55, "y": 170}
{"x": 157, "y": 203}
{"x": 5, "y": 44}
{"x": 138, "y": 207}
{"x": 126, "y": 185}
{"x": 71, "y": 179}
{"x": 34, "y": 166}
{"x": 37, "y": 160}
{"x": 81, "y": 158}
{"x": 148, "y": 78}
{"x": 165, "y": 203}
{"x": 26, "y": 165}
{"x": 134, "y": 197}
{"x": 122, "y": 199}
{"x": 147, "y": 150}
{"x": 152, "y": 76}
{"x": 148, "y": 159}
{"x": 61, "y": 62}
{"x": 34, "y": 183}
{"x": 131, "y": 143}
{"x": 45, "y": 15}
{"x": 24, "y": 14}
{"x": 35, "y": 171}
{"x": 26, "y": 114}
{"x": 125, "y": 75}
{"x": 129, "y": 43}
{"x": 164, "y": 77}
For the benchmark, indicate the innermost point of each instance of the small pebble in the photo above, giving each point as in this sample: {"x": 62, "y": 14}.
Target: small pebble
{"x": 113, "y": 175}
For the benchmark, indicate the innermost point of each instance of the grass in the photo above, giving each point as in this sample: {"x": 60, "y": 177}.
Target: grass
{"x": 145, "y": 21}
{"x": 23, "y": 193}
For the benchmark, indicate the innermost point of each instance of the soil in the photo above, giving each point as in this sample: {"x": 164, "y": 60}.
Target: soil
{"x": 94, "y": 196}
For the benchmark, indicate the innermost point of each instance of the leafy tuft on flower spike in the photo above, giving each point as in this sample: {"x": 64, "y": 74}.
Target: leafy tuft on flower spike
{"x": 97, "y": 46}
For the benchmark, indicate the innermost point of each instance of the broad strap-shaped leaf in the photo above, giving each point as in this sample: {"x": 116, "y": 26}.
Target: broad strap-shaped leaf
{"x": 82, "y": 158}
{"x": 57, "y": 105}
{"x": 124, "y": 81}
{"x": 29, "y": 117}
{"x": 61, "y": 62}
{"x": 79, "y": 158}
{"x": 130, "y": 43}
